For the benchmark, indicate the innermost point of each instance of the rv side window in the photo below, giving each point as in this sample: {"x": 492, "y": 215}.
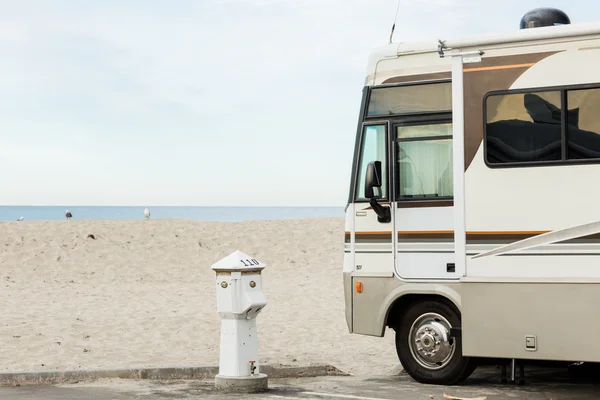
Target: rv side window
{"x": 373, "y": 148}
{"x": 542, "y": 127}
{"x": 583, "y": 124}
{"x": 524, "y": 127}
{"x": 424, "y": 161}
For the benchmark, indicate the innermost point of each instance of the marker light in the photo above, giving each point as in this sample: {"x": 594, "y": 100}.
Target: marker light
{"x": 359, "y": 287}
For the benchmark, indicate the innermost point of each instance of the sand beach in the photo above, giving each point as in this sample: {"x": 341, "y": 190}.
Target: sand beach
{"x": 126, "y": 294}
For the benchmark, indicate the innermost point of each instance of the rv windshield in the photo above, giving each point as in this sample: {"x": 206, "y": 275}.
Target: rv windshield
{"x": 410, "y": 99}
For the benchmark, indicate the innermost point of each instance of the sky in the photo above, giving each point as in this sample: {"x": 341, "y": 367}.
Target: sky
{"x": 205, "y": 102}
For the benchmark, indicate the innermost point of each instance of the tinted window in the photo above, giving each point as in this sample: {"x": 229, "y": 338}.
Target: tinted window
{"x": 583, "y": 124}
{"x": 433, "y": 97}
{"x": 524, "y": 127}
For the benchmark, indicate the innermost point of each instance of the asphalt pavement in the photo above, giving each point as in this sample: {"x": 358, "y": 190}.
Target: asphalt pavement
{"x": 540, "y": 383}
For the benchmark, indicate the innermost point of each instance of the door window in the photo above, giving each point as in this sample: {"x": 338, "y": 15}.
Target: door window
{"x": 424, "y": 161}
{"x": 373, "y": 148}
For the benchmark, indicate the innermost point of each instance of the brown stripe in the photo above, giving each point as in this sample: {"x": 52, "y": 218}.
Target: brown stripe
{"x": 594, "y": 236}
{"x": 378, "y": 239}
{"x": 584, "y": 239}
{"x": 496, "y": 236}
{"x": 419, "y": 204}
{"x": 403, "y": 235}
{"x": 369, "y": 237}
{"x": 473, "y": 237}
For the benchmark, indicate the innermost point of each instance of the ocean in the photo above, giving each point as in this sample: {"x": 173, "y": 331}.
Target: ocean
{"x": 224, "y": 214}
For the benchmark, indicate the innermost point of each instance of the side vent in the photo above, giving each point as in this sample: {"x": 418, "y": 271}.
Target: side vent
{"x": 450, "y": 267}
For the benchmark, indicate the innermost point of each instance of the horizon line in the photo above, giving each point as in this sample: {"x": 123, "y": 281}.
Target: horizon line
{"x": 135, "y": 205}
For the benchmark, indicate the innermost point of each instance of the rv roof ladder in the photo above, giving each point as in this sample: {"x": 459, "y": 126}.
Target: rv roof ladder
{"x": 458, "y": 127}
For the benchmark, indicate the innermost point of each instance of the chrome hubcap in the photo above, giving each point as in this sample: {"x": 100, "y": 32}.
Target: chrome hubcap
{"x": 430, "y": 342}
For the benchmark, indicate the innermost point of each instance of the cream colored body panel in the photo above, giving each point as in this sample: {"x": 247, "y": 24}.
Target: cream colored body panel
{"x": 561, "y": 316}
{"x": 425, "y": 63}
{"x": 424, "y": 219}
{"x": 372, "y": 257}
{"x": 529, "y": 199}
{"x": 424, "y": 259}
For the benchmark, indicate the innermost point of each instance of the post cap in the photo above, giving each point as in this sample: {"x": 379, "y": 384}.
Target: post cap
{"x": 238, "y": 261}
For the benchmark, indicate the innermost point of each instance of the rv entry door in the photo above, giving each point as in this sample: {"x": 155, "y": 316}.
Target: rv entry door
{"x": 423, "y": 184}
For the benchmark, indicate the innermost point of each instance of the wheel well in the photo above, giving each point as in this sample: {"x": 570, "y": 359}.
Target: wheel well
{"x": 398, "y": 308}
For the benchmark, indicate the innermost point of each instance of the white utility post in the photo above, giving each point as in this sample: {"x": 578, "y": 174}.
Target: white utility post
{"x": 458, "y": 150}
{"x": 239, "y": 300}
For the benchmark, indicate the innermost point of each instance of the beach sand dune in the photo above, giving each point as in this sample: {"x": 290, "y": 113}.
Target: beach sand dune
{"x": 126, "y": 294}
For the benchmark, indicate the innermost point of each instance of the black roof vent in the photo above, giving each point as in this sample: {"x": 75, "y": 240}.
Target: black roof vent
{"x": 544, "y": 17}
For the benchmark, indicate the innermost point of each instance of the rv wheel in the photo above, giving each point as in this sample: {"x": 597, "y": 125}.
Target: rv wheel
{"x": 425, "y": 348}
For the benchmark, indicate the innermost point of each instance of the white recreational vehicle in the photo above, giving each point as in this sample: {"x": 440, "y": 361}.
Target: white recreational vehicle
{"x": 472, "y": 220}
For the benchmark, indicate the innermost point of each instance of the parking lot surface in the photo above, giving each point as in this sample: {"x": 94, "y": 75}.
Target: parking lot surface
{"x": 541, "y": 383}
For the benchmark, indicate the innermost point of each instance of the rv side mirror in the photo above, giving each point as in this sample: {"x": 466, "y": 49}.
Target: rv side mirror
{"x": 373, "y": 179}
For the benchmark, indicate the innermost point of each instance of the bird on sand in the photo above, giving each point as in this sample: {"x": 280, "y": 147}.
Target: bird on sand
{"x": 146, "y": 212}
{"x": 20, "y": 219}
{"x": 68, "y": 214}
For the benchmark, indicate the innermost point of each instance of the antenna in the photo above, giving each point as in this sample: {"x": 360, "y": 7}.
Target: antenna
{"x": 395, "y": 18}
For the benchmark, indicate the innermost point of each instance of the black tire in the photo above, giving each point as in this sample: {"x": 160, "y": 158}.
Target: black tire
{"x": 456, "y": 369}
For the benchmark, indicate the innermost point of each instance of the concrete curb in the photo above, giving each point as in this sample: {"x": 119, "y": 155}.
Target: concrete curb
{"x": 273, "y": 371}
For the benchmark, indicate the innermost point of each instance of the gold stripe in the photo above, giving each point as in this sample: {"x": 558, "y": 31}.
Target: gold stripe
{"x": 499, "y": 67}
